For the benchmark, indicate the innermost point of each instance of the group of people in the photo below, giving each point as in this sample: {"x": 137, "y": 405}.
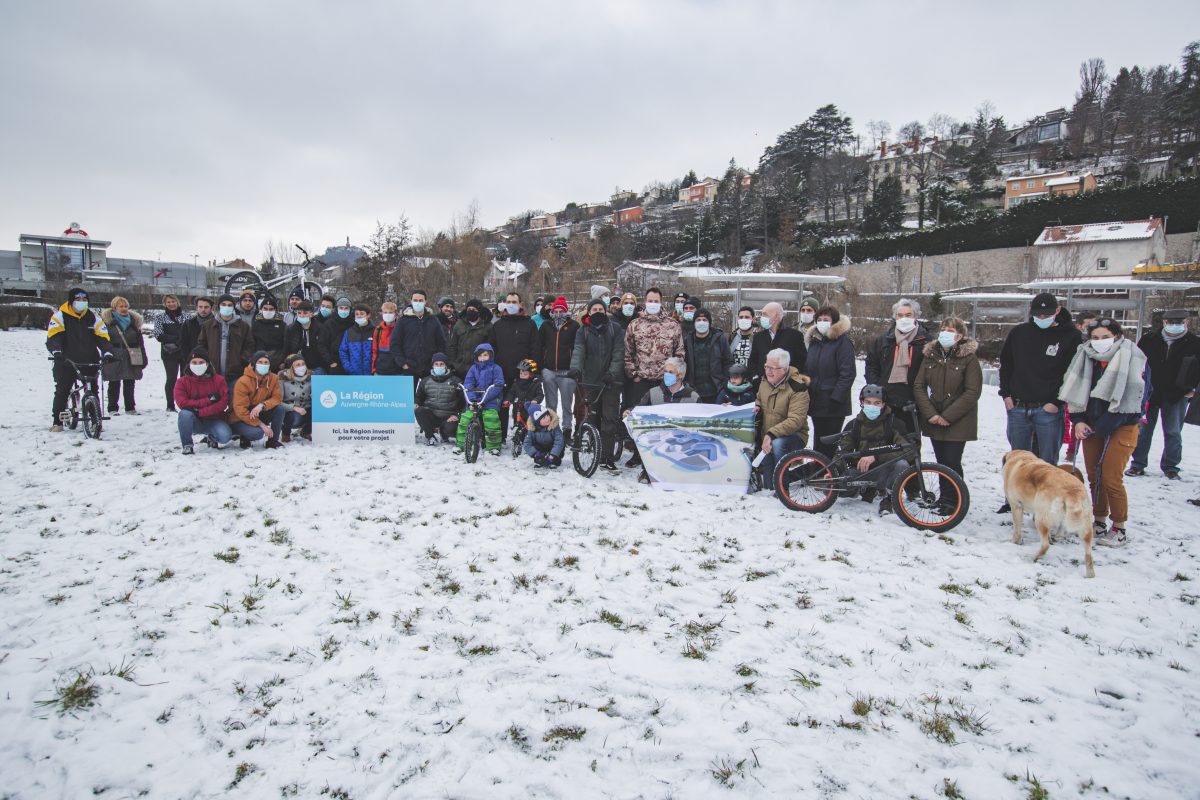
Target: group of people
{"x": 238, "y": 368}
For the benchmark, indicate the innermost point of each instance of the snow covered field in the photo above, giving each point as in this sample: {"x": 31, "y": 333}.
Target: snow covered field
{"x": 349, "y": 623}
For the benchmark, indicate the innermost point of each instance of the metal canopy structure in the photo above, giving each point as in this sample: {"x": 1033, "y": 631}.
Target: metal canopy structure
{"x": 776, "y": 294}
{"x": 1075, "y": 288}
{"x": 991, "y": 304}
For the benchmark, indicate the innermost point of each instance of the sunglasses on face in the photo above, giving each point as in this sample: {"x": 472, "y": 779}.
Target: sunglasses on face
{"x": 1099, "y": 323}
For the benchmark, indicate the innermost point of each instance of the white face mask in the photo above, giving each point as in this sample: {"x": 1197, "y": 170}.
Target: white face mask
{"x": 1102, "y": 346}
{"x": 268, "y": 315}
{"x": 198, "y": 369}
{"x": 806, "y": 316}
{"x": 653, "y": 308}
{"x": 823, "y": 326}
{"x": 745, "y": 324}
{"x": 299, "y": 370}
{"x": 389, "y": 318}
{"x": 905, "y": 324}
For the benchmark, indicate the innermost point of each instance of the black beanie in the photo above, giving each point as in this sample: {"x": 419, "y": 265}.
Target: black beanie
{"x": 200, "y": 352}
{"x": 259, "y": 354}
{"x": 75, "y": 293}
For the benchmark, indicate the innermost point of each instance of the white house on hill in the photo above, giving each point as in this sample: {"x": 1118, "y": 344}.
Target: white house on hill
{"x": 1100, "y": 249}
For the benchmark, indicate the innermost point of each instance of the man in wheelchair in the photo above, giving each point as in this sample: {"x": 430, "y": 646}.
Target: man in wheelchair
{"x": 874, "y": 428}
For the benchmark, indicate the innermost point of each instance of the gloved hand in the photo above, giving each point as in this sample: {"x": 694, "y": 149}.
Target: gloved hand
{"x": 59, "y": 356}
{"x": 108, "y": 358}
{"x": 539, "y": 459}
{"x": 551, "y": 460}
{"x": 573, "y": 374}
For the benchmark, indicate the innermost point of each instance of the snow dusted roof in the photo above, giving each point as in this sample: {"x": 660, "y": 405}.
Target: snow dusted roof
{"x": 1067, "y": 180}
{"x": 513, "y": 268}
{"x": 1099, "y": 232}
{"x": 1033, "y": 177}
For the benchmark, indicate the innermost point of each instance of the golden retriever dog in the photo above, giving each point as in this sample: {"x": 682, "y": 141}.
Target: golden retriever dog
{"x": 1056, "y": 498}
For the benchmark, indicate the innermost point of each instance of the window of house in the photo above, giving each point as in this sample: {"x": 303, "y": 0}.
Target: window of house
{"x": 1029, "y": 184}
{"x": 1016, "y": 186}
{"x": 1101, "y": 264}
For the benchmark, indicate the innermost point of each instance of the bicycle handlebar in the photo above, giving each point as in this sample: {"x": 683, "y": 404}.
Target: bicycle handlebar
{"x": 467, "y": 394}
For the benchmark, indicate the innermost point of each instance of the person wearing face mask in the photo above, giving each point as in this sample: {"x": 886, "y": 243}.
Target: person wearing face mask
{"x": 304, "y": 338}
{"x": 189, "y": 331}
{"x": 781, "y": 406}
{"x": 385, "y": 350}
{"x": 1106, "y": 389}
{"x": 228, "y": 340}
{"x": 333, "y": 333}
{"x": 830, "y": 369}
{"x": 774, "y": 334}
{"x": 270, "y": 332}
{"x": 1173, "y": 355}
{"x": 325, "y": 311}
{"x": 677, "y": 308}
{"x": 295, "y": 382}
{"x": 627, "y": 311}
{"x": 556, "y": 345}
{"x": 247, "y": 307}
{"x": 650, "y": 340}
{"x": 202, "y": 397}
{"x": 439, "y": 401}
{"x": 614, "y": 306}
{"x": 294, "y": 298}
{"x": 738, "y": 391}
{"x": 708, "y": 357}
{"x": 421, "y": 335}
{"x": 447, "y": 315}
{"x": 514, "y": 337}
{"x": 743, "y": 336}
{"x": 355, "y": 351}
{"x": 874, "y": 427}
{"x": 1033, "y": 361}
{"x": 125, "y": 332}
{"x": 808, "y": 315}
{"x": 256, "y": 408}
{"x": 599, "y": 360}
{"x": 473, "y": 328}
{"x": 894, "y": 358}
{"x": 687, "y": 317}
{"x": 75, "y": 332}
{"x": 168, "y": 330}
{"x": 947, "y": 389}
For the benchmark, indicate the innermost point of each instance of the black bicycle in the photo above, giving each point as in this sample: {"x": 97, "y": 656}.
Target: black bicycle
{"x": 473, "y": 439}
{"x": 587, "y": 444}
{"x": 517, "y": 440}
{"x": 84, "y": 401}
{"x": 928, "y": 496}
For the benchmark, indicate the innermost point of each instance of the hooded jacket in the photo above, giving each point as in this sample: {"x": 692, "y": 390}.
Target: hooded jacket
{"x": 719, "y": 359}
{"x": 307, "y": 342}
{"x": 599, "y": 354}
{"x": 83, "y": 338}
{"x": 649, "y": 341}
{"x": 785, "y": 407}
{"x": 466, "y": 337}
{"x": 206, "y": 395}
{"x": 333, "y": 331}
{"x": 544, "y": 441}
{"x": 123, "y": 344}
{"x": 481, "y": 376}
{"x": 270, "y": 335}
{"x": 250, "y": 390}
{"x": 949, "y": 385}
{"x": 830, "y": 369}
{"x": 1033, "y": 361}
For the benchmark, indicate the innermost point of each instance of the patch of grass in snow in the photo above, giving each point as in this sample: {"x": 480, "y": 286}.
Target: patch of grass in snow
{"x": 55, "y": 599}
{"x": 518, "y": 737}
{"x": 1179, "y": 576}
{"x": 240, "y": 773}
{"x": 955, "y": 588}
{"x": 757, "y": 574}
{"x": 339, "y": 793}
{"x": 564, "y": 733}
{"x": 617, "y": 544}
{"x": 729, "y": 597}
{"x": 79, "y": 694}
{"x": 949, "y": 789}
{"x": 1190, "y": 599}
{"x": 344, "y": 601}
{"x": 330, "y": 647}
{"x": 708, "y": 565}
{"x": 725, "y": 770}
{"x": 745, "y": 671}
{"x": 229, "y": 556}
{"x": 250, "y": 602}
{"x": 566, "y": 562}
{"x": 1177, "y": 665}
{"x": 404, "y": 621}
{"x": 804, "y": 680}
{"x": 861, "y": 706}
{"x": 695, "y": 629}
{"x": 165, "y": 575}
{"x": 803, "y": 600}
{"x": 610, "y": 618}
{"x": 700, "y": 651}
{"x": 279, "y": 536}
{"x": 506, "y": 511}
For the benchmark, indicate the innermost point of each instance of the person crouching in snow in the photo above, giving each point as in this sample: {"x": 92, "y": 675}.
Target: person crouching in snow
{"x": 484, "y": 382}
{"x": 202, "y": 397}
{"x": 736, "y": 391}
{"x": 296, "y": 383}
{"x": 874, "y": 427}
{"x": 545, "y": 441}
{"x": 439, "y": 402}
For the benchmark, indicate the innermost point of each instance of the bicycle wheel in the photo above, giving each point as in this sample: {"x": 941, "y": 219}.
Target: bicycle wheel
{"x": 239, "y": 282}
{"x": 518, "y": 441}
{"x": 803, "y": 481}
{"x": 933, "y": 498}
{"x": 73, "y": 410}
{"x": 586, "y": 456}
{"x": 473, "y": 439}
{"x": 313, "y": 292}
{"x": 91, "y": 416}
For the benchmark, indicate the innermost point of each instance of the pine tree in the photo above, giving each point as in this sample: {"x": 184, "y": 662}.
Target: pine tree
{"x": 885, "y": 212}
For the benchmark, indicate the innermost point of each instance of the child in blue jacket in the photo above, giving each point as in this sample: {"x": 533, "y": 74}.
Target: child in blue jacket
{"x": 355, "y": 349}
{"x": 545, "y": 442}
{"x": 484, "y": 375}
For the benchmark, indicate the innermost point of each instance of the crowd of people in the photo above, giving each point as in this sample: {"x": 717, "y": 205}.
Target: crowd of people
{"x": 238, "y": 368}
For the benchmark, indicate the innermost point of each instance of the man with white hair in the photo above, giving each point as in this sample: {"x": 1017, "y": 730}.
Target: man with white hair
{"x": 774, "y": 334}
{"x": 782, "y": 403}
{"x": 894, "y": 359}
{"x": 671, "y": 389}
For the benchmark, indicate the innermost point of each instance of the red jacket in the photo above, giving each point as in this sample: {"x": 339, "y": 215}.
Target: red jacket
{"x": 195, "y": 394}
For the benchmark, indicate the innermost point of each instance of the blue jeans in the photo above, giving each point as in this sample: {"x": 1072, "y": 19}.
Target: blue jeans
{"x": 320, "y": 371}
{"x": 1172, "y": 424}
{"x": 253, "y": 433}
{"x": 1024, "y": 422}
{"x": 780, "y": 446}
{"x": 190, "y": 425}
{"x": 301, "y": 421}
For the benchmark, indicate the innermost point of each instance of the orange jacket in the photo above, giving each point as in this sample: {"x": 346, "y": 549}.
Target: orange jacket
{"x": 252, "y": 389}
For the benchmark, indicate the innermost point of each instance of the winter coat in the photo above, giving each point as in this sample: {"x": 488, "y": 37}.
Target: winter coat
{"x": 522, "y": 392}
{"x": 443, "y": 396}
{"x": 168, "y": 330}
{"x": 1033, "y": 362}
{"x": 514, "y": 339}
{"x": 482, "y": 375}
{"x": 1192, "y": 417}
{"x": 270, "y": 335}
{"x": 649, "y": 341}
{"x": 1168, "y": 374}
{"x": 419, "y": 338}
{"x": 329, "y": 341}
{"x": 871, "y": 434}
{"x": 599, "y": 354}
{"x": 787, "y": 338}
{"x": 385, "y": 349}
{"x": 881, "y": 356}
{"x": 727, "y": 395}
{"x": 189, "y": 334}
{"x": 661, "y": 395}
{"x": 465, "y": 338}
{"x": 241, "y": 345}
{"x": 556, "y": 345}
{"x": 785, "y": 407}
{"x": 830, "y": 369}
{"x": 124, "y": 344}
{"x": 1097, "y": 414}
{"x": 306, "y": 343}
{"x": 949, "y": 385}
{"x": 720, "y": 359}
{"x": 250, "y": 390}
{"x": 447, "y": 324}
{"x": 354, "y": 354}
{"x": 545, "y": 440}
{"x": 297, "y": 391}
{"x": 83, "y": 338}
{"x": 207, "y": 395}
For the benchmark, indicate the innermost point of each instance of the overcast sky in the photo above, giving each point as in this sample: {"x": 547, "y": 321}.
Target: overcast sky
{"x": 212, "y": 127}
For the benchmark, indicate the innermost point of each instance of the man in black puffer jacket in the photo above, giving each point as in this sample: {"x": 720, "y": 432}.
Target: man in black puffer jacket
{"x": 439, "y": 401}
{"x": 598, "y": 359}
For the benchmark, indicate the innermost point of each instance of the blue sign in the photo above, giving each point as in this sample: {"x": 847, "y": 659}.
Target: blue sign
{"x": 363, "y": 408}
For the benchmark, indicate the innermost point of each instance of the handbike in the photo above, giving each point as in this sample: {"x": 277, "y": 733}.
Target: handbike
{"x": 473, "y": 438}
{"x": 84, "y": 400}
{"x": 928, "y": 496}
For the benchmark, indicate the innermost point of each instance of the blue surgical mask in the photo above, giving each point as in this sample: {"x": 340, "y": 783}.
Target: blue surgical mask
{"x": 669, "y": 379}
{"x": 627, "y": 309}
{"x": 439, "y": 372}
{"x": 702, "y": 326}
{"x": 765, "y": 322}
{"x": 262, "y": 369}
{"x": 512, "y": 309}
{"x": 653, "y": 308}
{"x": 679, "y": 308}
{"x": 326, "y": 312}
{"x": 303, "y": 320}
{"x": 946, "y": 339}
{"x": 80, "y": 306}
{"x": 1043, "y": 323}
{"x": 1173, "y": 329}
{"x": 872, "y": 412}
{"x": 418, "y": 307}
{"x": 226, "y": 311}
{"x": 688, "y": 316}
{"x": 344, "y": 313}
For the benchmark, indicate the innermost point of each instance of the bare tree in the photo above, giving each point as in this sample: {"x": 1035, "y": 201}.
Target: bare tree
{"x": 878, "y": 130}
{"x": 912, "y": 132}
{"x": 941, "y": 125}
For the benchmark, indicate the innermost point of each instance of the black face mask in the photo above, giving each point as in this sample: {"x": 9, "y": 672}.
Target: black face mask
{"x": 471, "y": 315}
{"x": 598, "y": 318}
